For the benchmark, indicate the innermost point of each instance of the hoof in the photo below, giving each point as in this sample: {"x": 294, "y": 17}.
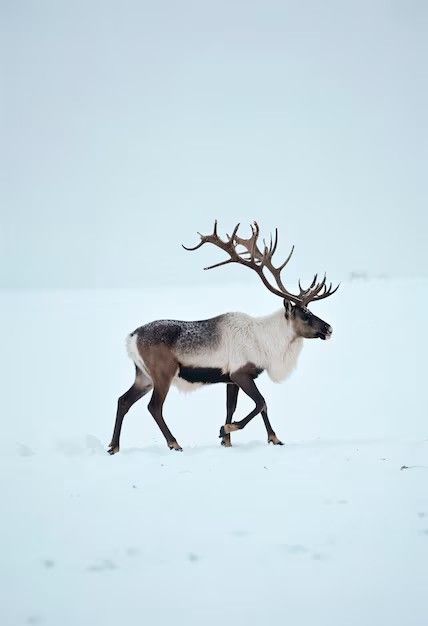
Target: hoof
{"x": 274, "y": 439}
{"x": 228, "y": 428}
{"x": 113, "y": 449}
{"x": 226, "y": 443}
{"x": 174, "y": 446}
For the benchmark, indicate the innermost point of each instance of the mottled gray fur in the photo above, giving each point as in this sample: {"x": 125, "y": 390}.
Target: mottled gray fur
{"x": 186, "y": 336}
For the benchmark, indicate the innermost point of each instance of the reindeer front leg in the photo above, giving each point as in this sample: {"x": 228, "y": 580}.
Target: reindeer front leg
{"x": 272, "y": 438}
{"x": 245, "y": 381}
{"x": 231, "y": 402}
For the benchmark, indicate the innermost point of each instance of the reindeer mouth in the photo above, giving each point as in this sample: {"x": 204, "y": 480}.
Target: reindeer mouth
{"x": 325, "y": 335}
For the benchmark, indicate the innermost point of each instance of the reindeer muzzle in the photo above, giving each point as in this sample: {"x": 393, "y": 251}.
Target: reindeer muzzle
{"x": 326, "y": 332}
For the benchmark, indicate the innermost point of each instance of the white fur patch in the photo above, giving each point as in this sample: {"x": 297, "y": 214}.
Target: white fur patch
{"x": 184, "y": 385}
{"x": 268, "y": 342}
{"x": 133, "y": 353}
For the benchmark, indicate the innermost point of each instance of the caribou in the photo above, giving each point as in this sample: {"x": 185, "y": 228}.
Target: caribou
{"x": 232, "y": 348}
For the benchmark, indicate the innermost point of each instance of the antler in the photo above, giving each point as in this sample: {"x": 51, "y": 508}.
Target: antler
{"x": 258, "y": 260}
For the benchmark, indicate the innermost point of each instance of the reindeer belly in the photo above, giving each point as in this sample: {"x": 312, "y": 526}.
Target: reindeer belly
{"x": 203, "y": 375}
{"x": 190, "y": 378}
{"x": 201, "y": 367}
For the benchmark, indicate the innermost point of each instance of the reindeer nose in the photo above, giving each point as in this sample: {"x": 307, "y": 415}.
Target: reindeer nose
{"x": 328, "y": 331}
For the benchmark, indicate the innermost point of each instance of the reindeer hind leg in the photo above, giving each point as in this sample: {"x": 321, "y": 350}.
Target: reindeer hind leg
{"x": 162, "y": 367}
{"x": 141, "y": 386}
{"x": 155, "y": 407}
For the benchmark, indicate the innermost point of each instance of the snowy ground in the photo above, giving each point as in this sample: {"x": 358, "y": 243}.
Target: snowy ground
{"x": 327, "y": 530}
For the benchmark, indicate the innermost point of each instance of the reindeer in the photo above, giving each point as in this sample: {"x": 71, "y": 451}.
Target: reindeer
{"x": 233, "y": 348}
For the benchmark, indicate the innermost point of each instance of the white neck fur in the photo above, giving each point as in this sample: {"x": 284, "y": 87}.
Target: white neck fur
{"x": 278, "y": 344}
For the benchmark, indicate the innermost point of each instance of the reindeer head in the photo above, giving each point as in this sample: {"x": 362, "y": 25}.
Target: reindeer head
{"x": 305, "y": 323}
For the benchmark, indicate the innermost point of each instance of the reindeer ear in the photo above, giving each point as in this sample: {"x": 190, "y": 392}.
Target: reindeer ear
{"x": 288, "y": 308}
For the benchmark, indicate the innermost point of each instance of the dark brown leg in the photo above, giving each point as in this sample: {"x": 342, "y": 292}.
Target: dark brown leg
{"x": 162, "y": 366}
{"x": 248, "y": 386}
{"x": 139, "y": 389}
{"x": 272, "y": 438}
{"x": 155, "y": 407}
{"x": 231, "y": 402}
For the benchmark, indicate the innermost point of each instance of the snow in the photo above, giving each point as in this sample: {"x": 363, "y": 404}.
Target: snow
{"x": 330, "y": 529}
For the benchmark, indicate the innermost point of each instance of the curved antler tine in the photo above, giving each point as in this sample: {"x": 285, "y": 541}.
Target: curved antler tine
{"x": 215, "y": 229}
{"x": 321, "y": 291}
{"x": 326, "y": 293}
{"x": 316, "y": 291}
{"x": 266, "y": 251}
{"x": 235, "y": 230}
{"x": 253, "y": 240}
{"x": 334, "y": 290}
{"x": 307, "y": 295}
{"x": 266, "y": 255}
{"x": 201, "y": 243}
{"x": 281, "y": 267}
{"x": 276, "y": 243}
{"x": 192, "y": 249}
{"x": 319, "y": 286}
{"x": 325, "y": 290}
{"x": 257, "y": 230}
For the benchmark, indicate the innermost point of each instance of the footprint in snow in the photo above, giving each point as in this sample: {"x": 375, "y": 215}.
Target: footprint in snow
{"x": 317, "y": 556}
{"x": 94, "y": 445}
{"x": 102, "y": 566}
{"x": 24, "y": 450}
{"x": 132, "y": 551}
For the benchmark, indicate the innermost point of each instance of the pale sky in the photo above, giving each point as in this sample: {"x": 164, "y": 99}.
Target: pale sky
{"x": 128, "y": 126}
